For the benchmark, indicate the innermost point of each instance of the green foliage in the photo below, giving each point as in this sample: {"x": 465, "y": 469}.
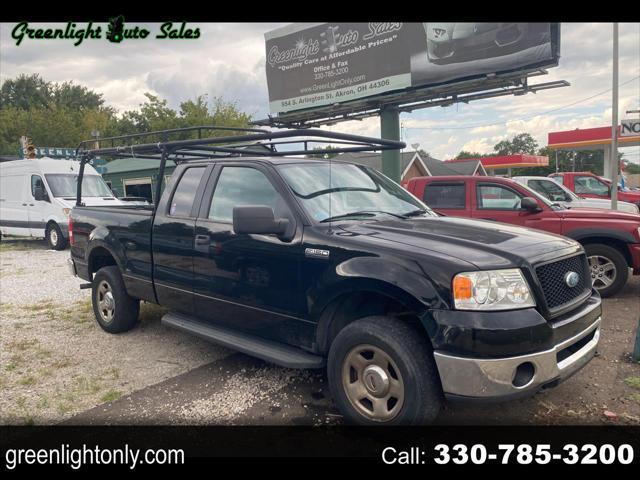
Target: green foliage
{"x": 521, "y": 143}
{"x": 62, "y": 115}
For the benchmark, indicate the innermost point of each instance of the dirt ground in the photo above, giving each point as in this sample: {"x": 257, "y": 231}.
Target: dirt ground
{"x": 57, "y": 365}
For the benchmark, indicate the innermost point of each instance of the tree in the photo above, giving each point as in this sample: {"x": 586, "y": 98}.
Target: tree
{"x": 75, "y": 96}
{"x": 521, "y": 143}
{"x": 464, "y": 154}
{"x": 24, "y": 92}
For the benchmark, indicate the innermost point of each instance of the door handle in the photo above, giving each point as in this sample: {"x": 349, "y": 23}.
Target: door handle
{"x": 24, "y": 204}
{"x": 202, "y": 240}
{"x": 202, "y": 243}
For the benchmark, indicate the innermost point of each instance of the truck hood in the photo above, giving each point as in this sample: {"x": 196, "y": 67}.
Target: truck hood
{"x": 600, "y": 203}
{"x": 598, "y": 213}
{"x": 484, "y": 244}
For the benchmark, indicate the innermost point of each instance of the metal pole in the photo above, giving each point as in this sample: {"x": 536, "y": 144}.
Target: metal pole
{"x": 390, "y": 130}
{"x": 614, "y": 123}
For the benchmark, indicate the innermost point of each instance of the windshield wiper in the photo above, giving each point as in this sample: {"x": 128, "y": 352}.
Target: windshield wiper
{"x": 365, "y": 213}
{"x": 415, "y": 213}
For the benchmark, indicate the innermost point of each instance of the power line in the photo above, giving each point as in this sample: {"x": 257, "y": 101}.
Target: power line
{"x": 476, "y": 125}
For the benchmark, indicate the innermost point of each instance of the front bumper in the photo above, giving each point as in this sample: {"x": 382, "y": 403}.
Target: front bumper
{"x": 508, "y": 377}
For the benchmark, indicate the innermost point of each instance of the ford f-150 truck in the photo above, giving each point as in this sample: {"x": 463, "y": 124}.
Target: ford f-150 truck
{"x": 588, "y": 185}
{"x": 309, "y": 263}
{"x": 610, "y": 238}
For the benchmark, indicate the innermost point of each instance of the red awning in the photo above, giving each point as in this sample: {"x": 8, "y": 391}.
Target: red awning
{"x": 509, "y": 161}
{"x": 596, "y": 138}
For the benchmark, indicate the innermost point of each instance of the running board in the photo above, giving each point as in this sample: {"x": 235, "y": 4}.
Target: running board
{"x": 268, "y": 350}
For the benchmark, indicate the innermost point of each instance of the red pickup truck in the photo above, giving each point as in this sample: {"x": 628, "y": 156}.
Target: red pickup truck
{"x": 610, "y": 238}
{"x": 588, "y": 185}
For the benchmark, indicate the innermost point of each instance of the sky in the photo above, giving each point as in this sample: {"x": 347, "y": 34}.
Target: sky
{"x": 228, "y": 61}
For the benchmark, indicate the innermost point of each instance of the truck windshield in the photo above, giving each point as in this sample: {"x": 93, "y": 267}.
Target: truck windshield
{"x": 353, "y": 190}
{"x": 66, "y": 185}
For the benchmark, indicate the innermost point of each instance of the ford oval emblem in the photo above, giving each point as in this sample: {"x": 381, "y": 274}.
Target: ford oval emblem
{"x": 571, "y": 279}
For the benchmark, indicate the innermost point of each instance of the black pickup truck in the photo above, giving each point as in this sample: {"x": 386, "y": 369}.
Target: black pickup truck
{"x": 311, "y": 262}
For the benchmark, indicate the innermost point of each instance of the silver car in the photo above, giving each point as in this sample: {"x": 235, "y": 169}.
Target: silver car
{"x": 555, "y": 192}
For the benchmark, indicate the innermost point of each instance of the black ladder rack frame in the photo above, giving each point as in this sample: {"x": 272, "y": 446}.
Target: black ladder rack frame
{"x": 242, "y": 142}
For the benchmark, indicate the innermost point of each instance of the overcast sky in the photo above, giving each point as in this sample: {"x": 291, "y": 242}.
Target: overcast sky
{"x": 228, "y": 61}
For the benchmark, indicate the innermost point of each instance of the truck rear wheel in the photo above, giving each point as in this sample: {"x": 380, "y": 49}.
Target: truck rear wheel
{"x": 381, "y": 371}
{"x": 608, "y": 268}
{"x": 114, "y": 309}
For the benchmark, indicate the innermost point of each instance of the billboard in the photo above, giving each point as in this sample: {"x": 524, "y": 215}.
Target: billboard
{"x": 314, "y": 65}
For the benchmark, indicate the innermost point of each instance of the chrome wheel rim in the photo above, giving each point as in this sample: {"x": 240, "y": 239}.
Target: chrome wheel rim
{"x": 106, "y": 302}
{"x": 53, "y": 236}
{"x": 373, "y": 383}
{"x": 603, "y": 271}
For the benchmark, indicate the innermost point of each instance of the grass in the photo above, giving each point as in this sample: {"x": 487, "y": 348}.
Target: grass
{"x": 635, "y": 397}
{"x": 26, "y": 381}
{"x": 110, "y": 396}
{"x": 633, "y": 382}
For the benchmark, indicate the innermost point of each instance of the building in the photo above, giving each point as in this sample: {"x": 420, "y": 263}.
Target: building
{"x": 134, "y": 177}
{"x": 412, "y": 164}
{"x": 502, "y": 164}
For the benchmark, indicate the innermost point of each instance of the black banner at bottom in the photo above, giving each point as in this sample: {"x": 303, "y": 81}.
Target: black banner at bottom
{"x": 140, "y": 447}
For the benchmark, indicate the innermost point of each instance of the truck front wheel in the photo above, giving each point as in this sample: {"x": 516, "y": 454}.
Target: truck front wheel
{"x": 381, "y": 371}
{"x": 54, "y": 237}
{"x": 114, "y": 309}
{"x": 608, "y": 268}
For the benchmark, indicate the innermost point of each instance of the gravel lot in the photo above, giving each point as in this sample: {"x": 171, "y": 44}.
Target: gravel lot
{"x": 57, "y": 365}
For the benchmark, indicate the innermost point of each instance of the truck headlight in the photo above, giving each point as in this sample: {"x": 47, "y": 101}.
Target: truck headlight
{"x": 492, "y": 290}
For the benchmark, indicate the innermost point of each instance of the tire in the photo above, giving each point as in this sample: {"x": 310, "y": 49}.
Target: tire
{"x": 602, "y": 257}
{"x": 408, "y": 357}
{"x": 118, "y": 312}
{"x": 54, "y": 237}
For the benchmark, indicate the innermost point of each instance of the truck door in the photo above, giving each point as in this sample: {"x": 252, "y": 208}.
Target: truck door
{"x": 38, "y": 208}
{"x": 249, "y": 282}
{"x": 172, "y": 240}
{"x": 501, "y": 203}
{"x": 587, "y": 186}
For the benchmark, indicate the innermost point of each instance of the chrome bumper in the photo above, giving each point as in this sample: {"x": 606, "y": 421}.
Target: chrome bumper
{"x": 511, "y": 376}
{"x": 72, "y": 267}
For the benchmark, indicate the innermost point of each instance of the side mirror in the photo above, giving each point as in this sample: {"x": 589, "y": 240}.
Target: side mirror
{"x": 530, "y": 204}
{"x": 40, "y": 194}
{"x": 257, "y": 219}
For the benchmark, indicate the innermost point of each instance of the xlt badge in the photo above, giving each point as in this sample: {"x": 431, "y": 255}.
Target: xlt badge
{"x": 316, "y": 253}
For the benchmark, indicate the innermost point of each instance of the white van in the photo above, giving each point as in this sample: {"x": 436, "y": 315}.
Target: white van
{"x": 36, "y": 196}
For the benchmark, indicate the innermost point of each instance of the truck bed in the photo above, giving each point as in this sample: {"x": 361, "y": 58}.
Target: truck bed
{"x": 123, "y": 228}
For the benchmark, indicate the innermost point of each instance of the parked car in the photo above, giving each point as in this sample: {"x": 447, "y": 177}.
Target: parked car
{"x": 461, "y": 42}
{"x": 610, "y": 238}
{"x": 36, "y": 196}
{"x": 588, "y": 185}
{"x": 313, "y": 262}
{"x": 556, "y": 192}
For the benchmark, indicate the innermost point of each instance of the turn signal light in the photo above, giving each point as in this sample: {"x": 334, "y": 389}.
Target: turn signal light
{"x": 462, "y": 287}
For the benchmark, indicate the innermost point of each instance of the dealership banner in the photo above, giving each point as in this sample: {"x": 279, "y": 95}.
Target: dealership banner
{"x": 311, "y": 65}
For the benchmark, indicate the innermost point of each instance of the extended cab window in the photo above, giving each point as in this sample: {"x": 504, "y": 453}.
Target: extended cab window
{"x": 243, "y": 186}
{"x": 584, "y": 184}
{"x": 497, "y": 197}
{"x": 445, "y": 195}
{"x": 185, "y": 192}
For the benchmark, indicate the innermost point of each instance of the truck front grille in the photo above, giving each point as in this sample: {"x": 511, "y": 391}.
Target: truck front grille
{"x": 552, "y": 277}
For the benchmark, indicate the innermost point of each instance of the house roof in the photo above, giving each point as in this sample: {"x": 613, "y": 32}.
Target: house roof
{"x": 434, "y": 167}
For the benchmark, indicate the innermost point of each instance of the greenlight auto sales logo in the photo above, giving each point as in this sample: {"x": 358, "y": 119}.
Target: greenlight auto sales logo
{"x": 116, "y": 32}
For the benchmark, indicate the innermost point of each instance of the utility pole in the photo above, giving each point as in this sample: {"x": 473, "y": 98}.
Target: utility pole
{"x": 614, "y": 123}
